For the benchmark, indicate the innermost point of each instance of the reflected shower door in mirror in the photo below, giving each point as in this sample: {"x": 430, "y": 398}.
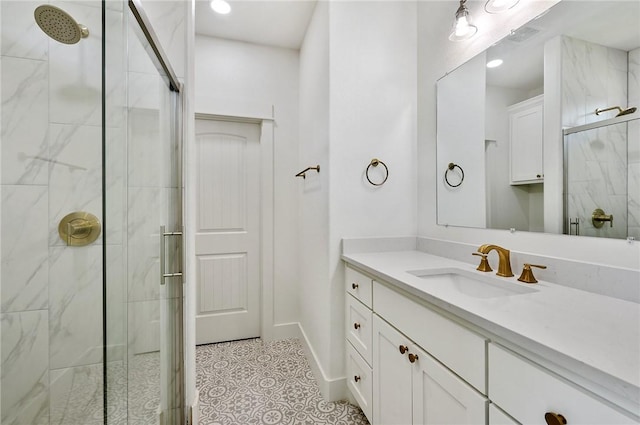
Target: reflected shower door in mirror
{"x": 602, "y": 183}
{"x": 576, "y": 64}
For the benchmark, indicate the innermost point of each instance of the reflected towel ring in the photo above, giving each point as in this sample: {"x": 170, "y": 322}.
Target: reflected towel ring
{"x": 451, "y": 166}
{"x": 374, "y": 162}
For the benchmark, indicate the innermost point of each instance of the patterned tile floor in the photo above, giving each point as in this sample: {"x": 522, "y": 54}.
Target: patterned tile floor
{"x": 256, "y": 382}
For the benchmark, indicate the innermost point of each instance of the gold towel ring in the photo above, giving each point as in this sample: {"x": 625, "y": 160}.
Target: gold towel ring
{"x": 451, "y": 166}
{"x": 374, "y": 162}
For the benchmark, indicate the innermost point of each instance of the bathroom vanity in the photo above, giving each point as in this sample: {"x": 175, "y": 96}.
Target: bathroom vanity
{"x": 432, "y": 340}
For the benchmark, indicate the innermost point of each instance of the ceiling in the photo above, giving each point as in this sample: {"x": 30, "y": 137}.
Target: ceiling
{"x": 280, "y": 23}
{"x": 607, "y": 23}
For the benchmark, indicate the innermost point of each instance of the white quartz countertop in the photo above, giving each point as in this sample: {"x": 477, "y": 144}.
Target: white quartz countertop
{"x": 590, "y": 335}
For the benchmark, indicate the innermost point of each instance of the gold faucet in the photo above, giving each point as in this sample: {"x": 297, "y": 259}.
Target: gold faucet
{"x": 504, "y": 265}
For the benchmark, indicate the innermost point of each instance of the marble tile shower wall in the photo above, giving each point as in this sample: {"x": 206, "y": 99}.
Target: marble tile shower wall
{"x": 51, "y": 294}
{"x": 594, "y": 76}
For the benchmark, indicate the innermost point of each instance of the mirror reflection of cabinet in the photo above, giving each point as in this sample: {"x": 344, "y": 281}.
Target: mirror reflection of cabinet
{"x": 525, "y": 139}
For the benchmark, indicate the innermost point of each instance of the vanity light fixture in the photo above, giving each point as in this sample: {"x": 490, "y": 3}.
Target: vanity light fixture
{"x": 499, "y": 6}
{"x": 494, "y": 63}
{"x": 462, "y": 28}
{"x": 220, "y": 6}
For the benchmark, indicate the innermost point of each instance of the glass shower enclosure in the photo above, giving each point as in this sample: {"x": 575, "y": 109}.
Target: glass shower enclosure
{"x": 90, "y": 217}
{"x": 602, "y": 178}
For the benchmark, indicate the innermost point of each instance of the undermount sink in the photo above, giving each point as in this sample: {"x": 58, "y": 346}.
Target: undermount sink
{"x": 473, "y": 284}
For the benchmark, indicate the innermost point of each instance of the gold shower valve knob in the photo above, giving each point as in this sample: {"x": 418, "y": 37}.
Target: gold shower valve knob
{"x": 79, "y": 228}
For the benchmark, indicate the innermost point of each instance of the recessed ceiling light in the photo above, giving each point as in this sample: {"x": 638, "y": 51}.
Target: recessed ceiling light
{"x": 494, "y": 63}
{"x": 499, "y": 6}
{"x": 220, "y": 6}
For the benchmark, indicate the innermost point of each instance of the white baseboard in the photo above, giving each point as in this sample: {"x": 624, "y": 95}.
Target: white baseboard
{"x": 286, "y": 331}
{"x": 331, "y": 389}
{"x": 194, "y": 410}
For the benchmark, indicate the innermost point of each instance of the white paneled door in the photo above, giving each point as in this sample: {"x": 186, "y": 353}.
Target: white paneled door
{"x": 228, "y": 231}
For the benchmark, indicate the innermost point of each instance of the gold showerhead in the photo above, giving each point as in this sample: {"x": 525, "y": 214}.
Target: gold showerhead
{"x": 627, "y": 111}
{"x": 621, "y": 111}
{"x": 59, "y": 25}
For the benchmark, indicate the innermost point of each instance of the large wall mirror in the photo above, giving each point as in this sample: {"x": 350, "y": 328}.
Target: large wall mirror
{"x": 548, "y": 140}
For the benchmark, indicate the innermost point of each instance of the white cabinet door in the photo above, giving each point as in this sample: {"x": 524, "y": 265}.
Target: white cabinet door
{"x": 440, "y": 397}
{"x": 525, "y": 137}
{"x": 498, "y": 417}
{"x": 391, "y": 376}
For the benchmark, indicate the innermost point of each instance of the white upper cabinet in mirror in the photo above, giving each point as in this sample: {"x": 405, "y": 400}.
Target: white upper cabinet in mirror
{"x": 534, "y": 153}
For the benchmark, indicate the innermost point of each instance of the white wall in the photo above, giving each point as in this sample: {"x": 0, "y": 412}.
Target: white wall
{"x": 461, "y": 141}
{"x": 436, "y": 56}
{"x": 358, "y": 102}
{"x": 236, "y": 78}
{"x": 373, "y": 106}
{"x": 313, "y": 207}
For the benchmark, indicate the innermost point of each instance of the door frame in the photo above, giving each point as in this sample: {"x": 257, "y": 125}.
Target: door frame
{"x": 266, "y": 214}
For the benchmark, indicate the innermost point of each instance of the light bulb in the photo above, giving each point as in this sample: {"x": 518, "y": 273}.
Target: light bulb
{"x": 462, "y": 27}
{"x": 462, "y": 30}
{"x": 494, "y": 63}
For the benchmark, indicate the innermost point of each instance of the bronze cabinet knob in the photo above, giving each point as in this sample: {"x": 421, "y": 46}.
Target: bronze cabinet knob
{"x": 554, "y": 419}
{"x": 354, "y": 286}
{"x": 413, "y": 357}
{"x": 356, "y": 378}
{"x": 356, "y": 325}
{"x": 403, "y": 349}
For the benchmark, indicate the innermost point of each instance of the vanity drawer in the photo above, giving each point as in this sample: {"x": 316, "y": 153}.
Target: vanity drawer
{"x": 358, "y": 285}
{"x": 526, "y": 391}
{"x": 360, "y": 380}
{"x": 359, "y": 330}
{"x": 458, "y": 348}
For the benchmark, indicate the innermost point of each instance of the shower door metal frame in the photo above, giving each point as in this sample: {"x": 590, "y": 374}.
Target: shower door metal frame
{"x": 157, "y": 55}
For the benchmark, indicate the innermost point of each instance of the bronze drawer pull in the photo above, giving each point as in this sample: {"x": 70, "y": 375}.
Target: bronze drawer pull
{"x": 354, "y": 286}
{"x": 356, "y": 378}
{"x": 413, "y": 357}
{"x": 554, "y": 419}
{"x": 356, "y": 325}
{"x": 403, "y": 349}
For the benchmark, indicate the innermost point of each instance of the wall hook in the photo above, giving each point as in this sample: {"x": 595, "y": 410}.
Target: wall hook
{"x": 303, "y": 172}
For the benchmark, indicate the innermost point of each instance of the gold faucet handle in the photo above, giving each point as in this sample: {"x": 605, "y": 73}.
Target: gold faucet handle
{"x": 484, "y": 263}
{"x": 527, "y": 274}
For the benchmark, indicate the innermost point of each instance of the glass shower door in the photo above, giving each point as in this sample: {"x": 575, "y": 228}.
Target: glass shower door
{"x": 144, "y": 308}
{"x": 597, "y": 181}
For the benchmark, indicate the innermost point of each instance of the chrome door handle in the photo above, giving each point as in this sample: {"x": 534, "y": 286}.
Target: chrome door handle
{"x": 163, "y": 235}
